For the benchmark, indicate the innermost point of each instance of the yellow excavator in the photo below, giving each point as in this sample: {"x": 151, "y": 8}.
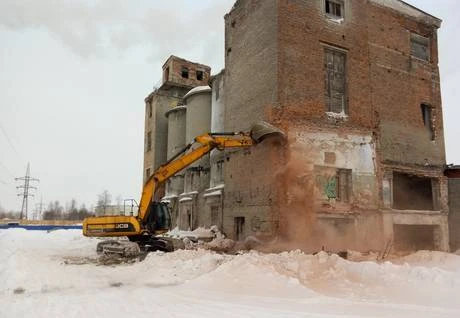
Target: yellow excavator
{"x": 153, "y": 219}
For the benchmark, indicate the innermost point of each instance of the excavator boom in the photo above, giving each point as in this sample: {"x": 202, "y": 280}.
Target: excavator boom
{"x": 153, "y": 217}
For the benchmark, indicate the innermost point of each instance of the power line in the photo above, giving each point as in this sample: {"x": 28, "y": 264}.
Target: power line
{"x": 6, "y": 168}
{"x": 9, "y": 141}
{"x": 26, "y": 191}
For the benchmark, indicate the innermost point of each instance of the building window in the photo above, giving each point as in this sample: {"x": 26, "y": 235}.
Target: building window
{"x": 199, "y": 75}
{"x": 150, "y": 110}
{"x": 344, "y": 185}
{"x": 427, "y": 117}
{"x": 147, "y": 173}
{"x": 335, "y": 81}
{"x": 184, "y": 72}
{"x": 336, "y": 185}
{"x": 334, "y": 8}
{"x": 412, "y": 192}
{"x": 217, "y": 89}
{"x": 420, "y": 47}
{"x": 149, "y": 141}
{"x": 239, "y": 227}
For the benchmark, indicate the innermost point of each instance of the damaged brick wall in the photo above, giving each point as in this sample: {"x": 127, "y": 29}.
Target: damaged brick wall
{"x": 276, "y": 61}
{"x": 250, "y": 89}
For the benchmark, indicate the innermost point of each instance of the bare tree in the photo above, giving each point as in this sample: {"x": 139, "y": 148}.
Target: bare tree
{"x": 54, "y": 211}
{"x": 119, "y": 200}
{"x": 104, "y": 200}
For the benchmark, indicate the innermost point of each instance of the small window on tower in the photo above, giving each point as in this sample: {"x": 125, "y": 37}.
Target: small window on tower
{"x": 149, "y": 141}
{"x": 427, "y": 118}
{"x": 199, "y": 75}
{"x": 334, "y": 8}
{"x": 184, "y": 72}
{"x": 420, "y": 47}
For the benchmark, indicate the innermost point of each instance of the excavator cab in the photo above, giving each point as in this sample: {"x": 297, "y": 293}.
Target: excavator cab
{"x": 159, "y": 218}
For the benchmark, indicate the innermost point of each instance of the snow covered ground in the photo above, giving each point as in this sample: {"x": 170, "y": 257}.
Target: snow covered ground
{"x": 51, "y": 275}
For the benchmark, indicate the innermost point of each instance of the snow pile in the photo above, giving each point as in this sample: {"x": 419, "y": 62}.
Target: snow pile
{"x": 37, "y": 280}
{"x": 200, "y": 233}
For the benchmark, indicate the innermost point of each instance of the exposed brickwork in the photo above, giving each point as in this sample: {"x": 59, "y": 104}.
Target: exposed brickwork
{"x": 172, "y": 73}
{"x": 331, "y": 184}
{"x": 453, "y": 175}
{"x": 275, "y": 70}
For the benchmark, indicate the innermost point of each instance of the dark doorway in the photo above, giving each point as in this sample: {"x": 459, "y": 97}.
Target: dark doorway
{"x": 239, "y": 228}
{"x": 412, "y": 192}
{"x": 413, "y": 237}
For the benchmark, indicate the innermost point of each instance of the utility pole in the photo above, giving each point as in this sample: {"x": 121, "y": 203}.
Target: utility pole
{"x": 26, "y": 187}
{"x": 39, "y": 209}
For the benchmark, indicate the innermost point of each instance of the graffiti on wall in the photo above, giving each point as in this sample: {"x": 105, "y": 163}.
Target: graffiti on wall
{"x": 327, "y": 185}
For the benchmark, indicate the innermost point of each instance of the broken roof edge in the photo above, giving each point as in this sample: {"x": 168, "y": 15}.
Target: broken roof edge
{"x": 175, "y": 57}
{"x": 412, "y": 11}
{"x": 212, "y": 78}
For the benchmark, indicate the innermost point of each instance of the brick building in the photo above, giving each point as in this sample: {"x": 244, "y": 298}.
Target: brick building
{"x": 453, "y": 175}
{"x": 179, "y": 76}
{"x": 355, "y": 86}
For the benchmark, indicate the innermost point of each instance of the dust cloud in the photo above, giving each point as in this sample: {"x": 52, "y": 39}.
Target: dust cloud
{"x": 298, "y": 200}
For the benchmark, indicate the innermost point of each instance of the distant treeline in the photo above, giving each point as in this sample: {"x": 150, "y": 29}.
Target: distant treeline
{"x": 57, "y": 212}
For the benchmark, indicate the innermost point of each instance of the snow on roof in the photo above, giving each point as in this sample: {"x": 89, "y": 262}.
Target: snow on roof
{"x": 197, "y": 90}
{"x": 169, "y": 197}
{"x": 212, "y": 194}
{"x": 191, "y": 193}
{"x": 185, "y": 199}
{"x": 217, "y": 187}
{"x": 409, "y": 10}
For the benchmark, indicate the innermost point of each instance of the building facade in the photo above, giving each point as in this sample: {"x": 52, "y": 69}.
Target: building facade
{"x": 355, "y": 85}
{"x": 453, "y": 176}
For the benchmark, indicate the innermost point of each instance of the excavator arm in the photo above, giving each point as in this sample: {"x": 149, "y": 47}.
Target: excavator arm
{"x": 186, "y": 157}
{"x": 153, "y": 218}
{"x": 134, "y": 226}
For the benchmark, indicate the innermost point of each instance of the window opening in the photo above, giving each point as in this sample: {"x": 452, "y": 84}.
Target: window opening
{"x": 344, "y": 185}
{"x": 420, "y": 47}
{"x": 336, "y": 185}
{"x": 149, "y": 141}
{"x": 199, "y": 75}
{"x": 239, "y": 227}
{"x": 184, "y": 72}
{"x": 217, "y": 90}
{"x": 427, "y": 117}
{"x": 147, "y": 173}
{"x": 189, "y": 219}
{"x": 150, "y": 110}
{"x": 334, "y": 8}
{"x": 335, "y": 81}
{"x": 412, "y": 192}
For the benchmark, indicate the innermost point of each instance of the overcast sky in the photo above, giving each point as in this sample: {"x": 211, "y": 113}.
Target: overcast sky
{"x": 73, "y": 76}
